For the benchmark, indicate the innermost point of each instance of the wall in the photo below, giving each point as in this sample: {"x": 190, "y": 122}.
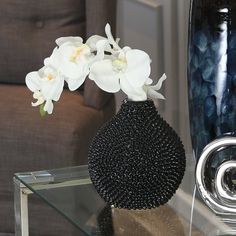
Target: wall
{"x": 159, "y": 27}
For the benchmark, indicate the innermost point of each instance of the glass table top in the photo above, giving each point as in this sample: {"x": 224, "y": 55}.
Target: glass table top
{"x": 70, "y": 192}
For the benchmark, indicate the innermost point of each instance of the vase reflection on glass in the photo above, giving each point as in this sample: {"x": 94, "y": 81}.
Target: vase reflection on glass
{"x": 212, "y": 91}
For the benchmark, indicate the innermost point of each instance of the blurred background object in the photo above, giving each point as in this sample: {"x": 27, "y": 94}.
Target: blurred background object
{"x": 28, "y": 30}
{"x": 160, "y": 27}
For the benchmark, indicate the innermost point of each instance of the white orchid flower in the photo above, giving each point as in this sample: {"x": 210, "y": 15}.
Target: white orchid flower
{"x": 111, "y": 67}
{"x": 126, "y": 69}
{"x": 128, "y": 72}
{"x": 47, "y": 86}
{"x": 73, "y": 58}
{"x": 152, "y": 89}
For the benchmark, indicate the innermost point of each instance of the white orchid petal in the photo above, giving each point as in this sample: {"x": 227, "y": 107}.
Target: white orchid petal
{"x": 133, "y": 93}
{"x": 41, "y": 72}
{"x": 70, "y": 39}
{"x": 52, "y": 89}
{"x": 32, "y": 81}
{"x": 52, "y": 83}
{"x": 48, "y": 107}
{"x": 154, "y": 94}
{"x": 110, "y": 37}
{"x": 75, "y": 71}
{"x": 57, "y": 90}
{"x": 37, "y": 95}
{"x": 149, "y": 81}
{"x": 71, "y": 70}
{"x": 49, "y": 71}
{"x": 53, "y": 60}
{"x": 138, "y": 67}
{"x": 65, "y": 52}
{"x": 104, "y": 76}
{"x": 101, "y": 45}
{"x": 46, "y": 61}
{"x": 74, "y": 84}
{"x": 57, "y": 95}
{"x": 117, "y": 40}
{"x": 92, "y": 41}
{"x": 126, "y": 49}
{"x": 37, "y": 103}
{"x": 159, "y": 83}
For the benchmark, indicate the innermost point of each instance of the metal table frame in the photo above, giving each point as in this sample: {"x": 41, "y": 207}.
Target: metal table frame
{"x": 39, "y": 180}
{"x": 21, "y": 208}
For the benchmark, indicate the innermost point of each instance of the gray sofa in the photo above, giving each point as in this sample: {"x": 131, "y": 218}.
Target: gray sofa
{"x": 28, "y": 142}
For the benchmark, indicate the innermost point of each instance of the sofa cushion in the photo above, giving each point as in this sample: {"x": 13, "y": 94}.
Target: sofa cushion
{"x": 62, "y": 137}
{"x": 28, "y": 32}
{"x": 29, "y": 142}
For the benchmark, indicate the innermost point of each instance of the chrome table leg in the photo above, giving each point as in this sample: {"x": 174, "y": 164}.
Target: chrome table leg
{"x": 21, "y": 209}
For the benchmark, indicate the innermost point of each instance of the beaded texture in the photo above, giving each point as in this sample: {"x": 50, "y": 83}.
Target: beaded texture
{"x": 136, "y": 161}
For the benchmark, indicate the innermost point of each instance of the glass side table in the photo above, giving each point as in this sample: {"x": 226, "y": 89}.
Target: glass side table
{"x": 70, "y": 192}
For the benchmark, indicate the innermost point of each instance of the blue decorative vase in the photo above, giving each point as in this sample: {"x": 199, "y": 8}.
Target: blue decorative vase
{"x": 212, "y": 71}
{"x": 212, "y": 100}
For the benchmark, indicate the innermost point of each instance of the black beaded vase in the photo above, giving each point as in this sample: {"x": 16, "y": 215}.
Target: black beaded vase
{"x": 136, "y": 160}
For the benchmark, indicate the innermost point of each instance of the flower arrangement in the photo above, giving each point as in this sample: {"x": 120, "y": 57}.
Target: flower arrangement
{"x": 137, "y": 145}
{"x": 100, "y": 59}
